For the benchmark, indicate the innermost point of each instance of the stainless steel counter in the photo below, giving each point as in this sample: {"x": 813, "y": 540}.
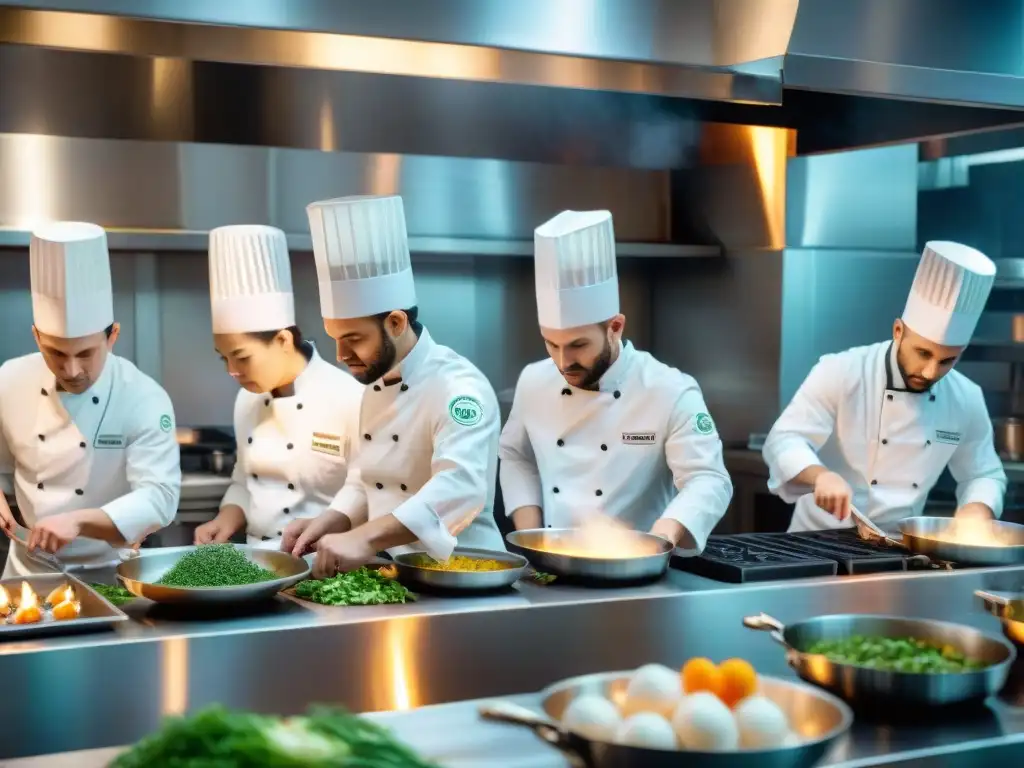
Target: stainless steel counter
{"x": 112, "y": 688}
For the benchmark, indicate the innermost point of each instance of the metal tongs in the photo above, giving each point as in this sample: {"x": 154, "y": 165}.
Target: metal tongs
{"x": 868, "y": 531}
{"x": 20, "y": 534}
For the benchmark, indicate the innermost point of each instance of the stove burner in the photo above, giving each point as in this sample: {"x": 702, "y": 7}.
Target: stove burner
{"x": 768, "y": 556}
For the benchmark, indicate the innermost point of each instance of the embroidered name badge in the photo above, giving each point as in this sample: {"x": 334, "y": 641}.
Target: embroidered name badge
{"x": 109, "y": 441}
{"x": 949, "y": 438}
{"x": 325, "y": 443}
{"x": 639, "y": 438}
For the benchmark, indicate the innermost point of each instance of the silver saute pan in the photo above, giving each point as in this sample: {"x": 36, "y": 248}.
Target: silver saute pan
{"x": 541, "y": 547}
{"x": 817, "y": 718}
{"x": 860, "y": 685}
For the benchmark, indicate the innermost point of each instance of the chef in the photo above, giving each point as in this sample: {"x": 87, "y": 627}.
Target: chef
{"x": 873, "y": 427}
{"x": 425, "y": 472}
{"x": 295, "y": 415}
{"x": 601, "y": 426}
{"x": 87, "y": 444}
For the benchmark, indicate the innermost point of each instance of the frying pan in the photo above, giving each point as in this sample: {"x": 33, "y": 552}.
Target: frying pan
{"x": 1010, "y": 611}
{"x": 920, "y": 536}
{"x": 539, "y": 546}
{"x": 860, "y": 685}
{"x": 817, "y": 718}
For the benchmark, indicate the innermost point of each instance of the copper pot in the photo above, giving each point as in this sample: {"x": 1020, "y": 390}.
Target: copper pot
{"x": 1009, "y": 438}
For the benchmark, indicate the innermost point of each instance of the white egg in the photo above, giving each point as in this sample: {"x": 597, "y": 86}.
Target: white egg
{"x": 653, "y": 688}
{"x": 648, "y": 730}
{"x": 762, "y": 724}
{"x": 703, "y": 723}
{"x": 593, "y": 717}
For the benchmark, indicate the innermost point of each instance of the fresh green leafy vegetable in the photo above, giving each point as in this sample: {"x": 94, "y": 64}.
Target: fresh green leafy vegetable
{"x": 896, "y": 654}
{"x": 543, "y": 578}
{"x": 215, "y": 565}
{"x": 219, "y": 738}
{"x": 364, "y": 586}
{"x": 117, "y": 594}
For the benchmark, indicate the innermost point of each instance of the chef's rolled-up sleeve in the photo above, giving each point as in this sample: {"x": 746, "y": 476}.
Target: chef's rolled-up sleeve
{"x": 693, "y": 452}
{"x": 975, "y": 465}
{"x": 803, "y": 428}
{"x": 237, "y": 493}
{"x": 153, "y": 469}
{"x": 520, "y": 477}
{"x": 467, "y": 425}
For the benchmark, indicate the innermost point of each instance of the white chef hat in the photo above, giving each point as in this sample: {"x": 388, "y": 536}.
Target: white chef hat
{"x": 949, "y": 293}
{"x": 362, "y": 256}
{"x": 574, "y": 265}
{"x": 70, "y": 274}
{"x": 250, "y": 280}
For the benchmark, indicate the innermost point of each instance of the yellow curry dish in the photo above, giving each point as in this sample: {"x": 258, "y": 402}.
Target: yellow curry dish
{"x": 460, "y": 563}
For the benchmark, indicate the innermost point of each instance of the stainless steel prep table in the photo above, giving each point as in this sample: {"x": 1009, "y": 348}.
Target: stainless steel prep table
{"x": 453, "y": 736}
{"x": 111, "y": 689}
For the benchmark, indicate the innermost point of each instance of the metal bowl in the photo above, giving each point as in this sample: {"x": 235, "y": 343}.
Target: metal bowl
{"x": 816, "y": 717}
{"x": 862, "y": 685}
{"x": 415, "y": 576}
{"x": 919, "y": 536}
{"x": 536, "y": 545}
{"x": 139, "y": 576}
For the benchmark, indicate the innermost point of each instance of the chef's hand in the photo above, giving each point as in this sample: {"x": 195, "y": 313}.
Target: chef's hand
{"x": 214, "y": 532}
{"x": 301, "y": 536}
{"x": 340, "y": 552}
{"x": 833, "y": 494}
{"x": 53, "y": 532}
{"x": 669, "y": 529}
{"x": 973, "y": 511}
{"x": 7, "y": 521}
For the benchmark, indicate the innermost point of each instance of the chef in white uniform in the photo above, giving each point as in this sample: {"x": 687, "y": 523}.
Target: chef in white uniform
{"x": 601, "y": 426}
{"x": 87, "y": 444}
{"x": 295, "y": 415}
{"x": 875, "y": 426}
{"x": 424, "y": 476}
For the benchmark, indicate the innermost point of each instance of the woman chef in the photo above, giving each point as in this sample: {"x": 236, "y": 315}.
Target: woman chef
{"x": 873, "y": 427}
{"x": 87, "y": 443}
{"x": 600, "y": 425}
{"x": 295, "y": 414}
{"x": 424, "y": 478}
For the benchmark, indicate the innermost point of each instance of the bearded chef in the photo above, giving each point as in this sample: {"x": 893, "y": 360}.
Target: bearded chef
{"x": 295, "y": 414}
{"x": 601, "y": 426}
{"x": 425, "y": 472}
{"x": 87, "y": 444}
{"x": 873, "y": 427}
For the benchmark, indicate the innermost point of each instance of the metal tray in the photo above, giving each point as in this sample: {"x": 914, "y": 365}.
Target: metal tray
{"x": 97, "y": 613}
{"x": 140, "y": 574}
{"x": 414, "y": 576}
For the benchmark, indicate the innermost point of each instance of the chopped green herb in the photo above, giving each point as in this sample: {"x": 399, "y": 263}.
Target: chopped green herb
{"x": 364, "y": 586}
{"x": 896, "y": 654}
{"x": 219, "y": 738}
{"x": 543, "y": 578}
{"x": 117, "y": 594}
{"x": 215, "y": 565}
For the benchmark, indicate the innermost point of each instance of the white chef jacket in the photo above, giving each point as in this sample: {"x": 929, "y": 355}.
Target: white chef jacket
{"x": 428, "y": 453}
{"x": 854, "y": 415}
{"x": 112, "y": 447}
{"x": 293, "y": 452}
{"x": 640, "y": 448}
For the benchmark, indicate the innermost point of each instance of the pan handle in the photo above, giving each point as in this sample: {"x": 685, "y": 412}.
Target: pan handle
{"x": 546, "y": 729}
{"x": 988, "y": 597}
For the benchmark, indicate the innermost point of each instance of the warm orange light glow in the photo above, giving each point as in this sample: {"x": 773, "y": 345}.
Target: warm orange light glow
{"x": 400, "y": 644}
{"x": 68, "y": 609}
{"x": 28, "y": 611}
{"x": 602, "y": 537}
{"x": 174, "y": 675}
{"x": 328, "y": 143}
{"x": 28, "y": 596}
{"x": 60, "y": 594}
{"x": 5, "y": 601}
{"x": 769, "y": 148}
{"x": 385, "y": 174}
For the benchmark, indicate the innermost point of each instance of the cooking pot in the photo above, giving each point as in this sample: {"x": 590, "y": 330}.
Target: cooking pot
{"x": 1009, "y": 438}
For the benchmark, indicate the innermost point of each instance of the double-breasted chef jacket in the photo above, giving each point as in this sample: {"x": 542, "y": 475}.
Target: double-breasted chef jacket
{"x": 428, "y": 453}
{"x": 641, "y": 447}
{"x": 293, "y": 452}
{"x": 112, "y": 447}
{"x": 854, "y": 415}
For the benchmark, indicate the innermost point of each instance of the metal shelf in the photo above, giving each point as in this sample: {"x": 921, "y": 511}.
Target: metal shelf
{"x": 184, "y": 241}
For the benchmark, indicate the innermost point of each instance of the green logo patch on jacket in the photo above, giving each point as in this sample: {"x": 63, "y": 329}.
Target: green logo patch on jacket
{"x": 165, "y": 423}
{"x": 466, "y": 410}
{"x": 703, "y": 424}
